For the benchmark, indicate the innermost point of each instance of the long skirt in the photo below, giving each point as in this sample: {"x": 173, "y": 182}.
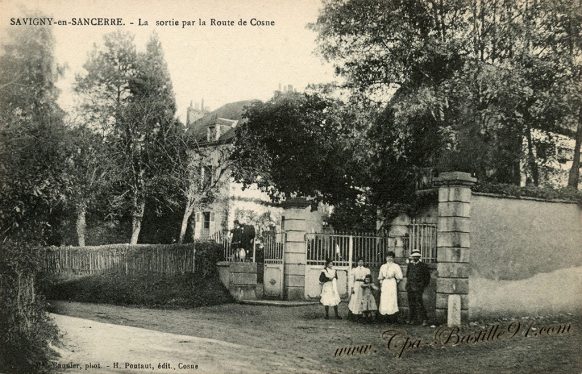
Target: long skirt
{"x": 355, "y": 304}
{"x": 388, "y": 297}
{"x": 329, "y": 294}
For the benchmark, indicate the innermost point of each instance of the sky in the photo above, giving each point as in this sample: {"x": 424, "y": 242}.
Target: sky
{"x": 219, "y": 64}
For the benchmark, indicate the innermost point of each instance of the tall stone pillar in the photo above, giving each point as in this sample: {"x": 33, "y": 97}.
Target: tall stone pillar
{"x": 297, "y": 212}
{"x": 453, "y": 241}
{"x": 399, "y": 231}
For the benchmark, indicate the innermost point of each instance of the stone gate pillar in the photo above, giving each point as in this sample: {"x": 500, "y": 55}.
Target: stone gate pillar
{"x": 297, "y": 212}
{"x": 399, "y": 231}
{"x": 453, "y": 241}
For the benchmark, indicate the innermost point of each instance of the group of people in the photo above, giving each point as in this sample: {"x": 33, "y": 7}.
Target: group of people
{"x": 362, "y": 302}
{"x": 242, "y": 240}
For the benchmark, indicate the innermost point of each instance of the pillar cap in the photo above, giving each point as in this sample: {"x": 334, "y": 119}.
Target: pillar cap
{"x": 455, "y": 178}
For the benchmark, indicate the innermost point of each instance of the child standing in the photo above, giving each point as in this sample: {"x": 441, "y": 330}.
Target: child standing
{"x": 368, "y": 306}
{"x": 329, "y": 293}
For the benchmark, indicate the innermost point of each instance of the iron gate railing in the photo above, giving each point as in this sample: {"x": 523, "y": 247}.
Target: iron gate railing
{"x": 266, "y": 247}
{"x": 422, "y": 236}
{"x": 344, "y": 250}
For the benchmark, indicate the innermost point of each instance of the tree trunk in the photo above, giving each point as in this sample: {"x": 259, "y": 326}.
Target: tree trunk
{"x": 81, "y": 223}
{"x": 574, "y": 175}
{"x": 136, "y": 222}
{"x": 184, "y": 226}
{"x": 531, "y": 160}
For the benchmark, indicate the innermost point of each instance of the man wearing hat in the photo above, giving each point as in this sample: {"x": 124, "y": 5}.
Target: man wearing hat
{"x": 417, "y": 278}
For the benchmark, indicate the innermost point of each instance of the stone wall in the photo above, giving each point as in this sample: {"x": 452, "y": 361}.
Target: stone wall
{"x": 240, "y": 278}
{"x": 526, "y": 256}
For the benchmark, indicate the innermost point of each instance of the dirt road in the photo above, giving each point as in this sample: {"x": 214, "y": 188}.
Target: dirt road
{"x": 91, "y": 346}
{"x": 247, "y": 338}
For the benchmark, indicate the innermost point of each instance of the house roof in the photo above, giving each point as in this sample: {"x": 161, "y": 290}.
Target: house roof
{"x": 229, "y": 114}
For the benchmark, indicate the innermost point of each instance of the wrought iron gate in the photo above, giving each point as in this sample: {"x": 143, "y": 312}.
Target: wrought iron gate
{"x": 344, "y": 250}
{"x": 271, "y": 253}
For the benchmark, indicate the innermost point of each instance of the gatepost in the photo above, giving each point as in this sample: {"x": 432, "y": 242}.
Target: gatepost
{"x": 297, "y": 212}
{"x": 399, "y": 231}
{"x": 453, "y": 243}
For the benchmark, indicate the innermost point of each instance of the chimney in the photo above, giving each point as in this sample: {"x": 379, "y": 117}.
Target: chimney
{"x": 202, "y": 104}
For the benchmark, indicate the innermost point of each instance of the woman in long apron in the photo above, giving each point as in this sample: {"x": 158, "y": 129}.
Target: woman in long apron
{"x": 358, "y": 275}
{"x": 390, "y": 275}
{"x": 329, "y": 293}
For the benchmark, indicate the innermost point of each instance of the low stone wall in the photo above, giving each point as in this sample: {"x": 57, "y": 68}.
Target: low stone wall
{"x": 240, "y": 278}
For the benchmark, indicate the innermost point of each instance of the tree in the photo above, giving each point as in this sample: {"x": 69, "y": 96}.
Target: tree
{"x": 129, "y": 96}
{"x": 482, "y": 73}
{"x": 150, "y": 116}
{"x": 90, "y": 172}
{"x": 31, "y": 193}
{"x": 297, "y": 145}
{"x": 208, "y": 169}
{"x": 31, "y": 133}
{"x": 104, "y": 92}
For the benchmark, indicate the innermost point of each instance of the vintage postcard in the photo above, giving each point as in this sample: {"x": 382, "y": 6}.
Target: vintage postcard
{"x": 290, "y": 186}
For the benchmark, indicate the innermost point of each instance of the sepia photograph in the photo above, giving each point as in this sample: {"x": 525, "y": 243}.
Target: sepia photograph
{"x": 290, "y": 186}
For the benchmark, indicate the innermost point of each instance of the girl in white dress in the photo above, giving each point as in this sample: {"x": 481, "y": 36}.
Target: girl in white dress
{"x": 358, "y": 275}
{"x": 329, "y": 293}
{"x": 390, "y": 275}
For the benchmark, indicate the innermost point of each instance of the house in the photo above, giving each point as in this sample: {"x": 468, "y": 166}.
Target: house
{"x": 215, "y": 132}
{"x": 558, "y": 148}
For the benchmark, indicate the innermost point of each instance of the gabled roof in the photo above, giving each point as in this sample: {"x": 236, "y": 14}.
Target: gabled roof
{"x": 227, "y": 112}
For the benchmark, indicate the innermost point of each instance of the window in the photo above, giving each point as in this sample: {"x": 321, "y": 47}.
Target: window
{"x": 213, "y": 133}
{"x": 210, "y": 134}
{"x": 207, "y": 219}
{"x": 206, "y": 176}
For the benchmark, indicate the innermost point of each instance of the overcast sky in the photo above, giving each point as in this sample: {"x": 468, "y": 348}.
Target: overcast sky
{"x": 219, "y": 64}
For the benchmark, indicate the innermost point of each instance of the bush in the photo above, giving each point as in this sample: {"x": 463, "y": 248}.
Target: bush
{"x": 26, "y": 330}
{"x": 145, "y": 289}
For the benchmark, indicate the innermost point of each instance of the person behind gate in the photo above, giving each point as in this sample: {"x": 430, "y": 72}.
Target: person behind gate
{"x": 358, "y": 275}
{"x": 236, "y": 239}
{"x": 417, "y": 279}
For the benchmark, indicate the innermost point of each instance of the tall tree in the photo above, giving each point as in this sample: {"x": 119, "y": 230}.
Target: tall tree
{"x": 104, "y": 90}
{"x": 129, "y": 96}
{"x": 31, "y": 133}
{"x": 150, "y": 124}
{"x": 90, "y": 171}
{"x": 31, "y": 192}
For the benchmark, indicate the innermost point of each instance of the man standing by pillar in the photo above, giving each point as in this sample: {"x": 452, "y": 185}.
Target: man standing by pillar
{"x": 417, "y": 279}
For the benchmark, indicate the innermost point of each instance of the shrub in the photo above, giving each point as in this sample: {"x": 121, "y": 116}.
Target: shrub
{"x": 26, "y": 330}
